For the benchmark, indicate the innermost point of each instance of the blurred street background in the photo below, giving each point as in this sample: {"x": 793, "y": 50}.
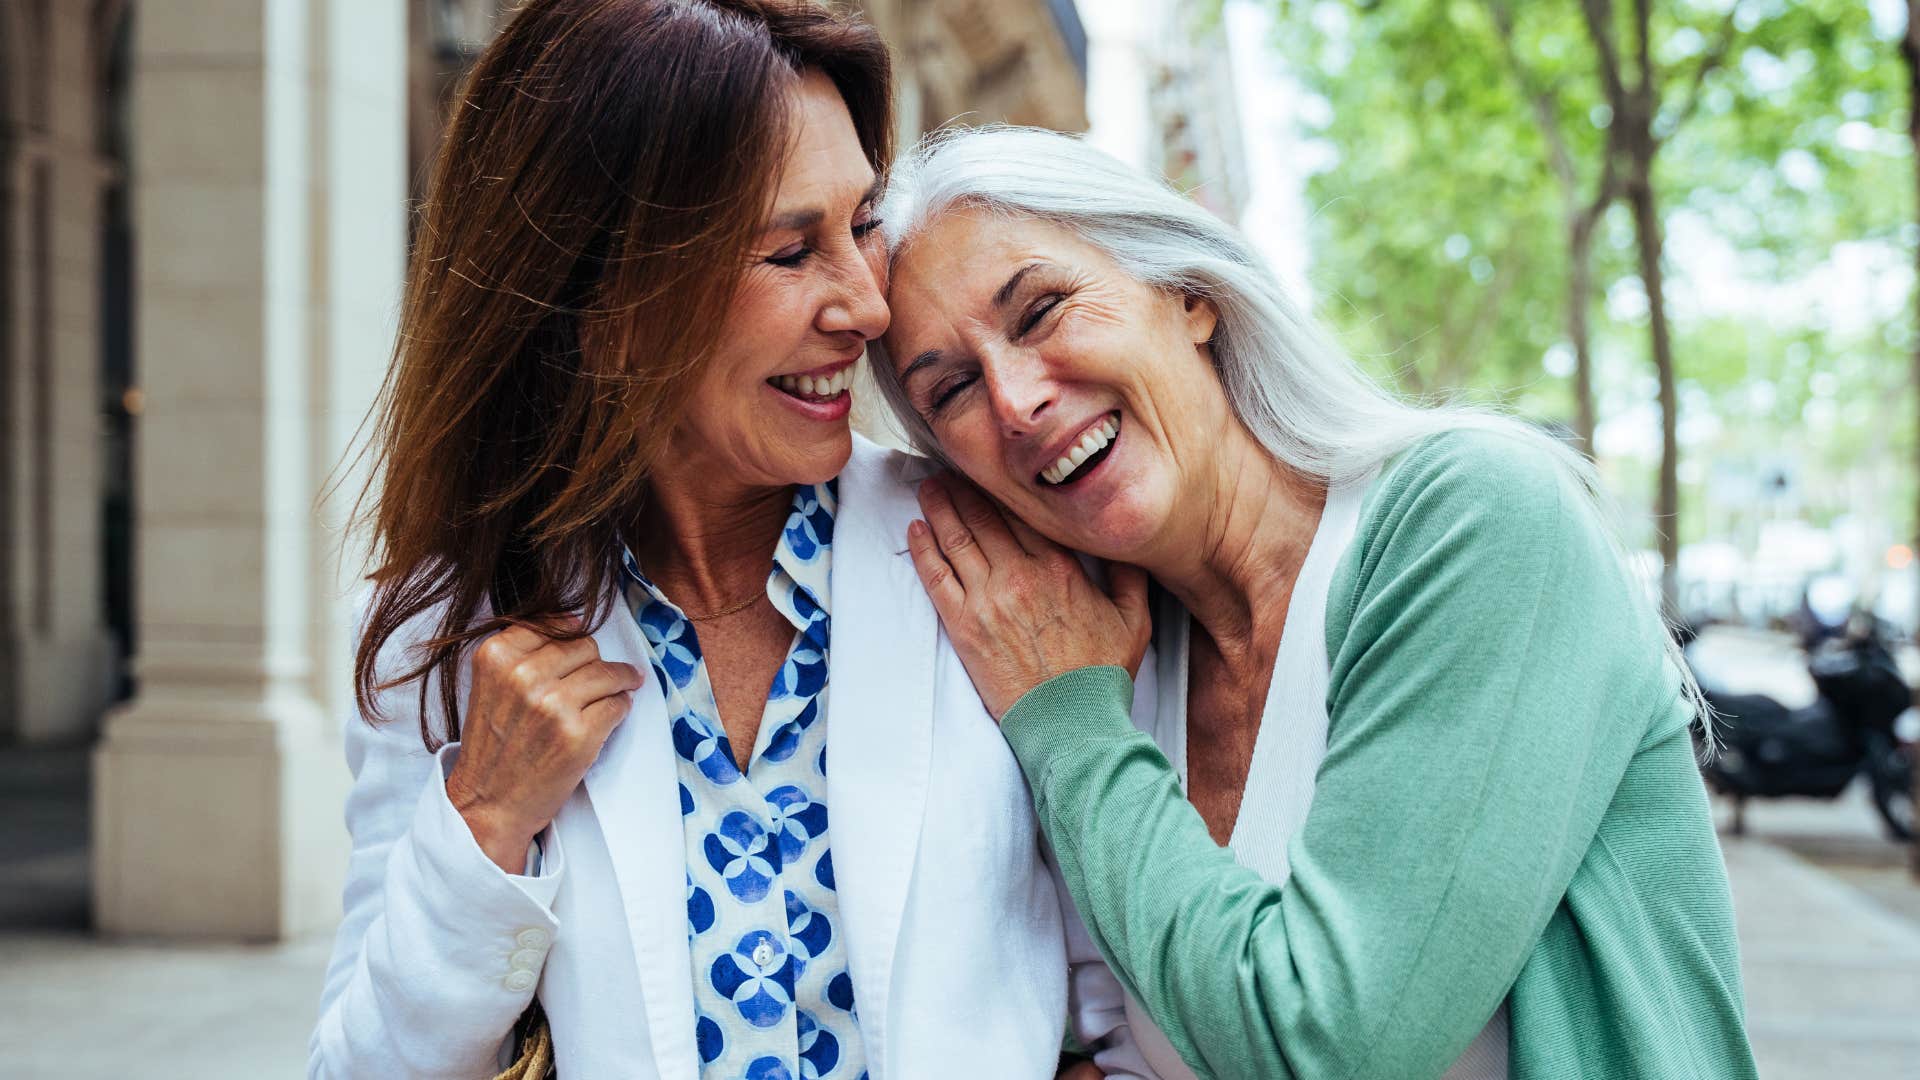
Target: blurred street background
{"x": 1681, "y": 234}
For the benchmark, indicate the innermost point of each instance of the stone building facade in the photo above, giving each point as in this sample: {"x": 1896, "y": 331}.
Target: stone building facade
{"x": 202, "y": 240}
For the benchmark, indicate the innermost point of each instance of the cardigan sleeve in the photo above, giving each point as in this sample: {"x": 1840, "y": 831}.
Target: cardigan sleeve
{"x": 1492, "y": 669}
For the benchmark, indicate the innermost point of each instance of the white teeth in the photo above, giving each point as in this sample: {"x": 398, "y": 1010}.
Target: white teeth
{"x": 1090, "y": 444}
{"x": 809, "y": 386}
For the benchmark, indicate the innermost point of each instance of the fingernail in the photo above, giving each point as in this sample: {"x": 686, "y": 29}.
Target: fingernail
{"x": 916, "y": 528}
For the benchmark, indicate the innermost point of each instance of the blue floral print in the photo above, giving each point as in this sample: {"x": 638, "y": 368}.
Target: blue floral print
{"x": 738, "y": 850}
{"x": 772, "y": 998}
{"x": 699, "y": 910}
{"x": 757, "y": 976}
{"x": 819, "y": 1050}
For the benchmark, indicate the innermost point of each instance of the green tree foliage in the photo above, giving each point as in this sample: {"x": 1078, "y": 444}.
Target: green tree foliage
{"x": 1440, "y": 240}
{"x": 1436, "y": 237}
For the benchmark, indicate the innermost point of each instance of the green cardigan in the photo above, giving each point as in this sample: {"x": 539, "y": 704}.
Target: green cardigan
{"x": 1508, "y": 808}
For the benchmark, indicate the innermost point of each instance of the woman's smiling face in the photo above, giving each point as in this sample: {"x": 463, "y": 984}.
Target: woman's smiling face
{"x": 770, "y": 407}
{"x": 1076, "y": 396}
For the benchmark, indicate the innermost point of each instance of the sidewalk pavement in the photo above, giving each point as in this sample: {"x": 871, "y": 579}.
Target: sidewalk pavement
{"x": 1833, "y": 978}
{"x": 75, "y": 1007}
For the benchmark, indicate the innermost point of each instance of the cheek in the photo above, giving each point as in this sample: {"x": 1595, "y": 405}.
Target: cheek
{"x": 718, "y": 409}
{"x": 971, "y": 441}
{"x": 766, "y": 314}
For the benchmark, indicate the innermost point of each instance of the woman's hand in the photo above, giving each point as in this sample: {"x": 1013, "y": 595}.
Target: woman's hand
{"x": 536, "y": 719}
{"x": 1018, "y": 607}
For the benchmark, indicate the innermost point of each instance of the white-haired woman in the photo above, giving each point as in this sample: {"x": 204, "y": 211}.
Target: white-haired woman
{"x": 1405, "y": 677}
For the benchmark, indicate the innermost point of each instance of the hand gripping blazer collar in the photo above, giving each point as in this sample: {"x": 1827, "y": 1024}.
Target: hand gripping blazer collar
{"x": 957, "y": 945}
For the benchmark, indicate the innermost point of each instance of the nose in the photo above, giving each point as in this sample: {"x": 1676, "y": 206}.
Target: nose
{"x": 1019, "y": 388}
{"x": 858, "y": 303}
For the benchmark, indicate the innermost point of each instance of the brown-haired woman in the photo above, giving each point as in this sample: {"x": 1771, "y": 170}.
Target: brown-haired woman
{"x": 593, "y": 756}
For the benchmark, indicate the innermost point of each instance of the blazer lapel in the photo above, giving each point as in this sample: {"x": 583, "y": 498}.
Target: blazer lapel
{"x": 635, "y": 793}
{"x": 879, "y": 726}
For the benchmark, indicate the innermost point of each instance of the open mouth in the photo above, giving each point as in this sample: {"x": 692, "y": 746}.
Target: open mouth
{"x": 1085, "y": 456}
{"x": 815, "y": 390}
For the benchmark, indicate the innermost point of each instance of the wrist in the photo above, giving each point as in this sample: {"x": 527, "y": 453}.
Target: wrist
{"x": 502, "y": 841}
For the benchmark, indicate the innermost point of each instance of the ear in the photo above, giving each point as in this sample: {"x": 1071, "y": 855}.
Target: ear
{"x": 1201, "y": 317}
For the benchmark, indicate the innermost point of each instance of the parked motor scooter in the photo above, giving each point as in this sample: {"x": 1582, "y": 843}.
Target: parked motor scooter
{"x": 1767, "y": 750}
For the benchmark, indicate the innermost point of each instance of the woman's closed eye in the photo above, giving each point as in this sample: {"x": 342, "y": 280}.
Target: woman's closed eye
{"x": 795, "y": 254}
{"x": 1037, "y": 311}
{"x": 944, "y": 393}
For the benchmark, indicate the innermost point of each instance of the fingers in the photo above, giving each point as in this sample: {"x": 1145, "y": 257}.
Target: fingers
{"x": 604, "y": 714}
{"x": 506, "y": 648}
{"x": 556, "y": 660}
{"x": 984, "y": 520}
{"x": 591, "y": 682}
{"x": 533, "y": 634}
{"x": 510, "y": 644}
{"x": 955, "y": 539}
{"x": 529, "y": 667}
{"x": 936, "y": 575}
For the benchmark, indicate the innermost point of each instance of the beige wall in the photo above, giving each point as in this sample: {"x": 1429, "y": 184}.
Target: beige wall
{"x": 270, "y": 167}
{"x": 54, "y": 652}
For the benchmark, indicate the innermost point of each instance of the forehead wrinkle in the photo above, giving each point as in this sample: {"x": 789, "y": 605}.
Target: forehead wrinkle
{"x": 924, "y": 269}
{"x": 941, "y": 327}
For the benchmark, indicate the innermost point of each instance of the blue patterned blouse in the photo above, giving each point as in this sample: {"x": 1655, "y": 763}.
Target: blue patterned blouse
{"x": 770, "y": 985}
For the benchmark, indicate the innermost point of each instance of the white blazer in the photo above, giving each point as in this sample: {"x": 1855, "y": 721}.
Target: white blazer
{"x": 960, "y": 955}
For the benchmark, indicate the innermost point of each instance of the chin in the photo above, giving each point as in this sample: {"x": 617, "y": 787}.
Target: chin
{"x": 821, "y": 461}
{"x": 1118, "y": 532}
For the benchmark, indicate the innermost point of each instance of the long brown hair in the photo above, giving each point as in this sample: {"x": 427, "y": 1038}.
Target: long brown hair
{"x": 607, "y": 164}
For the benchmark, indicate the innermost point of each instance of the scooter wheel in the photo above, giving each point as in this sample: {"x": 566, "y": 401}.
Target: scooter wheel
{"x": 1890, "y": 771}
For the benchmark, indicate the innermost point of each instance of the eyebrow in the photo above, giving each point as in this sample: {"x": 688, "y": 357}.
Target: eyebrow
{"x": 920, "y": 363}
{"x": 808, "y": 218}
{"x": 1006, "y": 289}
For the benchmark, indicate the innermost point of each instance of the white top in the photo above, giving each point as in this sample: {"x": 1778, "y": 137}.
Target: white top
{"x": 1286, "y": 753}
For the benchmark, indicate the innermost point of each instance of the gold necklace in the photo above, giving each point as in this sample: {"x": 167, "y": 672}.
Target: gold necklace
{"x": 723, "y": 612}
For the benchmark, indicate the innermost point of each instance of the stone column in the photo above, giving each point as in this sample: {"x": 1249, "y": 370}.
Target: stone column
{"x": 55, "y": 655}
{"x": 269, "y": 195}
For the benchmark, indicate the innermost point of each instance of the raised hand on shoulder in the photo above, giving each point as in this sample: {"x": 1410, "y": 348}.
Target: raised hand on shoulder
{"x": 539, "y": 711}
{"x": 1018, "y": 607}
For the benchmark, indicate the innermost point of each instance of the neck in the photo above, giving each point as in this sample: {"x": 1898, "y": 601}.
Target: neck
{"x": 708, "y": 545}
{"x": 1234, "y": 569}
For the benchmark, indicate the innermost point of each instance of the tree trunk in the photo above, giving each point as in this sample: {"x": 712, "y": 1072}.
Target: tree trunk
{"x": 1633, "y": 142}
{"x": 1579, "y": 329}
{"x": 1581, "y": 220}
{"x": 1646, "y": 226}
{"x": 1910, "y": 48}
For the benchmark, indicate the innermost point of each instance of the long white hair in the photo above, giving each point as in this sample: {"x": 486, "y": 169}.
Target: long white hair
{"x": 1299, "y": 394}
